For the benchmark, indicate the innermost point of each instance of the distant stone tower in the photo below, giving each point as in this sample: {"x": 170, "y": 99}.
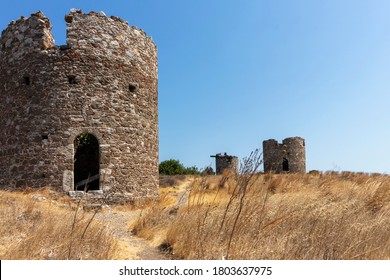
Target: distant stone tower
{"x": 224, "y": 161}
{"x": 82, "y": 116}
{"x": 286, "y": 157}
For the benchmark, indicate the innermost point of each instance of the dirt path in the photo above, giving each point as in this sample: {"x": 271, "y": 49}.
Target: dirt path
{"x": 131, "y": 246}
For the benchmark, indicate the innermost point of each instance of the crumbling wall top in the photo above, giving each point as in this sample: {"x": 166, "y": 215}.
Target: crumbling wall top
{"x": 27, "y": 34}
{"x": 293, "y": 139}
{"x": 224, "y": 155}
{"x": 93, "y": 33}
{"x": 105, "y": 35}
{"x": 271, "y": 143}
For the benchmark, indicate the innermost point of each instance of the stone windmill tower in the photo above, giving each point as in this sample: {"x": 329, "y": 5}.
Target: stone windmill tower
{"x": 82, "y": 116}
{"x": 289, "y": 156}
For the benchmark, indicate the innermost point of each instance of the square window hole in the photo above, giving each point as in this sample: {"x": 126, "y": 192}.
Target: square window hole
{"x": 26, "y": 80}
{"x": 72, "y": 80}
{"x": 132, "y": 88}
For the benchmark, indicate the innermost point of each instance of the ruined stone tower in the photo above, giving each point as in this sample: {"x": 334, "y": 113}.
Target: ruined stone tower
{"x": 286, "y": 157}
{"x": 82, "y": 116}
{"x": 225, "y": 161}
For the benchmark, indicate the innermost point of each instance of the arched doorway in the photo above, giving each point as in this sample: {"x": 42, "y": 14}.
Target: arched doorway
{"x": 285, "y": 165}
{"x": 86, "y": 162}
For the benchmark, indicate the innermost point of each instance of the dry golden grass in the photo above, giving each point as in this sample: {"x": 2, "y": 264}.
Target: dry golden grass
{"x": 153, "y": 219}
{"x": 43, "y": 224}
{"x": 317, "y": 216}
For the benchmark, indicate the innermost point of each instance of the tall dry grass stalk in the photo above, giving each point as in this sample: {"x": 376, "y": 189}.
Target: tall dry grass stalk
{"x": 268, "y": 216}
{"x": 34, "y": 229}
{"x": 153, "y": 220}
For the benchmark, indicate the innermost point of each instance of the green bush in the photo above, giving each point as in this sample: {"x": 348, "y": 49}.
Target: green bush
{"x": 174, "y": 167}
{"x": 193, "y": 170}
{"x": 171, "y": 167}
{"x": 207, "y": 171}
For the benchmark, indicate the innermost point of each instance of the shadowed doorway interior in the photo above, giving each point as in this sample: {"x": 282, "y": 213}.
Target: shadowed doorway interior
{"x": 285, "y": 165}
{"x": 86, "y": 163}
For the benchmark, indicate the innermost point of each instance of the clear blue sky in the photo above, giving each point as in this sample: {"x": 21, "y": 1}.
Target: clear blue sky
{"x": 235, "y": 73}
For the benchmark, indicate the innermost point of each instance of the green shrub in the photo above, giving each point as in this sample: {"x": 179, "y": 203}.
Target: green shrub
{"x": 171, "y": 167}
{"x": 174, "y": 167}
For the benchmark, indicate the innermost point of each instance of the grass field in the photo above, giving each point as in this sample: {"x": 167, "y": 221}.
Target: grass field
{"x": 303, "y": 217}
{"x": 256, "y": 216}
{"x": 44, "y": 224}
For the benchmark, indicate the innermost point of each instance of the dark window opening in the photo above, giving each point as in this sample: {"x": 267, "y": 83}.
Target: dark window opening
{"x": 65, "y": 47}
{"x": 285, "y": 165}
{"x": 45, "y": 137}
{"x": 72, "y": 80}
{"x": 132, "y": 88}
{"x": 86, "y": 163}
{"x": 26, "y": 80}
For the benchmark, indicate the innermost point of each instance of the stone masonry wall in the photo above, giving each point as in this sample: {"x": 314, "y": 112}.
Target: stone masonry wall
{"x": 103, "y": 82}
{"x": 224, "y": 161}
{"x": 272, "y": 156}
{"x": 289, "y": 156}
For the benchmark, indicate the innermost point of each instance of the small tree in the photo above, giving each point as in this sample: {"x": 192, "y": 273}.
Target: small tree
{"x": 193, "y": 170}
{"x": 174, "y": 167}
{"x": 207, "y": 171}
{"x": 171, "y": 167}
